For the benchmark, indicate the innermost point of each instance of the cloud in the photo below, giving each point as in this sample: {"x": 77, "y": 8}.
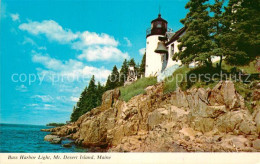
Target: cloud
{"x": 69, "y": 88}
{"x": 66, "y": 99}
{"x": 61, "y": 98}
{"x": 69, "y": 70}
{"x": 142, "y": 51}
{"x": 28, "y": 40}
{"x": 105, "y": 53}
{"x": 74, "y": 99}
{"x": 91, "y": 38}
{"x": 92, "y": 46}
{"x": 21, "y": 88}
{"x": 42, "y": 107}
{"x": 33, "y": 105}
{"x": 51, "y": 29}
{"x": 47, "y": 102}
{"x": 55, "y": 64}
{"x": 42, "y": 48}
{"x": 15, "y": 17}
{"x": 48, "y": 105}
{"x": 128, "y": 42}
{"x": 99, "y": 73}
{"x": 43, "y": 98}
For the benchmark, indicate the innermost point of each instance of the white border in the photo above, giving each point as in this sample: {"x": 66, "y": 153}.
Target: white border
{"x": 138, "y": 158}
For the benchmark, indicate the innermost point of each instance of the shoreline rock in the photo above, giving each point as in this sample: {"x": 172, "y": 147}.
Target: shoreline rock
{"x": 68, "y": 145}
{"x": 54, "y": 139}
{"x": 196, "y": 120}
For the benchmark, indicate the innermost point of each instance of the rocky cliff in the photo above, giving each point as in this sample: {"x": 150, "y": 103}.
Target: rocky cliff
{"x": 195, "y": 120}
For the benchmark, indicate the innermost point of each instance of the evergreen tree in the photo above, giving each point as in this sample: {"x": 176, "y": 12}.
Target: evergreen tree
{"x": 242, "y": 31}
{"x": 142, "y": 66}
{"x": 113, "y": 79}
{"x": 100, "y": 91}
{"x": 89, "y": 99}
{"x": 196, "y": 43}
{"x": 216, "y": 31}
{"x": 108, "y": 83}
{"x": 137, "y": 70}
{"x": 92, "y": 86}
{"x": 79, "y": 106}
{"x": 132, "y": 62}
{"x": 123, "y": 72}
{"x": 75, "y": 114}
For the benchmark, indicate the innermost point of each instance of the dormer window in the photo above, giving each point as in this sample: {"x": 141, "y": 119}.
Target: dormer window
{"x": 172, "y": 50}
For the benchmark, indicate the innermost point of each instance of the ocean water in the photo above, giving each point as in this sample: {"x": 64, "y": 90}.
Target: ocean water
{"x": 29, "y": 139}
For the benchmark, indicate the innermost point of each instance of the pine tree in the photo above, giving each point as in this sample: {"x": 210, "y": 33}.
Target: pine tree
{"x": 132, "y": 62}
{"x": 123, "y": 72}
{"x": 136, "y": 66}
{"x": 77, "y": 111}
{"x": 196, "y": 43}
{"x": 100, "y": 91}
{"x": 113, "y": 79}
{"x": 75, "y": 114}
{"x": 92, "y": 86}
{"x": 216, "y": 31}
{"x": 108, "y": 83}
{"x": 137, "y": 70}
{"x": 242, "y": 31}
{"x": 89, "y": 99}
{"x": 142, "y": 66}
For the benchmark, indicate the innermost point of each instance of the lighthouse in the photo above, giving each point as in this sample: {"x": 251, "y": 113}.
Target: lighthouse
{"x": 154, "y": 60}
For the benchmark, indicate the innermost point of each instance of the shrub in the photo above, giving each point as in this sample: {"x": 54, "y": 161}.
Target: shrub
{"x": 173, "y": 81}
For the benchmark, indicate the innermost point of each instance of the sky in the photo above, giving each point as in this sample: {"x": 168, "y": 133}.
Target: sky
{"x": 49, "y": 50}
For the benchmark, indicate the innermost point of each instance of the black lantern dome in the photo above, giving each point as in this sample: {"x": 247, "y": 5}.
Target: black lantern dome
{"x": 158, "y": 27}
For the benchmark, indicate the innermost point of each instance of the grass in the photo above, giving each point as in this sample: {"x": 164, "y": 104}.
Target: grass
{"x": 250, "y": 68}
{"x": 179, "y": 78}
{"x": 246, "y": 91}
{"x": 176, "y": 79}
{"x": 136, "y": 88}
{"x": 210, "y": 85}
{"x": 243, "y": 89}
{"x": 185, "y": 82}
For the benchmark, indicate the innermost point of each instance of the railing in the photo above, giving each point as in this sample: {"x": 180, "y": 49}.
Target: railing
{"x": 149, "y": 30}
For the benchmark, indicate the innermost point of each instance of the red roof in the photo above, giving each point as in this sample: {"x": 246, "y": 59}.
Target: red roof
{"x": 159, "y": 19}
{"x": 176, "y": 36}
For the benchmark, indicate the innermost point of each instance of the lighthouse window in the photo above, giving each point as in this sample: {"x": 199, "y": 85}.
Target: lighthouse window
{"x": 159, "y": 25}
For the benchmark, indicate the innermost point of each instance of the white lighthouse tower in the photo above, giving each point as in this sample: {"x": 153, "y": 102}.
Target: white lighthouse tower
{"x": 154, "y": 60}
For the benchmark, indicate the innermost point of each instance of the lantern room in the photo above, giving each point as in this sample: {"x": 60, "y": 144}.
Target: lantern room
{"x": 158, "y": 27}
